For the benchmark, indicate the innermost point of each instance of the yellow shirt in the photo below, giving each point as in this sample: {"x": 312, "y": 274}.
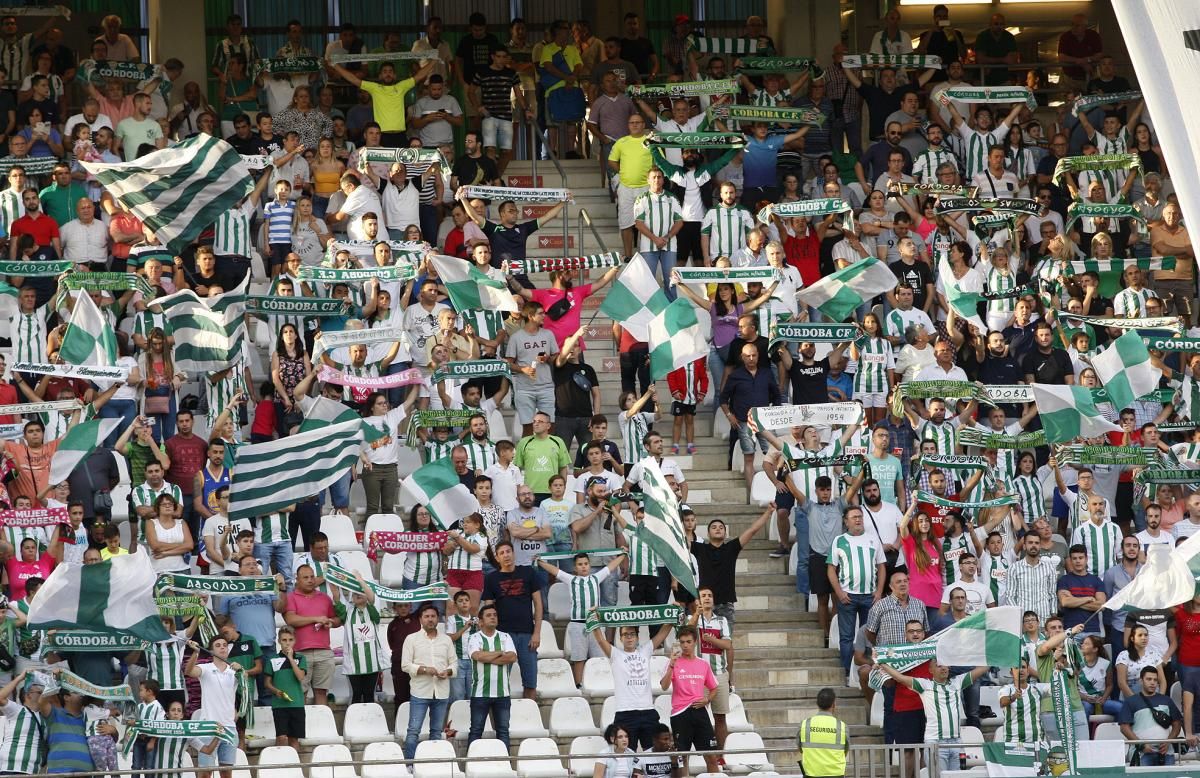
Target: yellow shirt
{"x": 570, "y": 54}
{"x": 106, "y": 555}
{"x": 387, "y": 100}
{"x": 635, "y": 160}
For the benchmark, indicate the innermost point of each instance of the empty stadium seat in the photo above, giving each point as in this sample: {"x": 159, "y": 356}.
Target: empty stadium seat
{"x": 280, "y": 755}
{"x": 391, "y": 570}
{"x": 608, "y": 712}
{"x": 500, "y": 767}
{"x": 548, "y": 647}
{"x": 339, "y": 690}
{"x": 583, "y": 751}
{"x": 572, "y": 717}
{"x": 366, "y": 722}
{"x": 745, "y": 763}
{"x": 262, "y": 734}
{"x": 736, "y": 720}
{"x": 597, "y": 678}
{"x": 333, "y": 753}
{"x": 558, "y": 601}
{"x": 240, "y": 761}
{"x": 658, "y": 666}
{"x": 662, "y": 704}
{"x": 556, "y": 679}
{"x": 319, "y": 726}
{"x": 356, "y": 559}
{"x": 340, "y": 529}
{"x": 383, "y": 760}
{"x": 525, "y": 719}
{"x": 423, "y": 767}
{"x": 538, "y": 768}
{"x": 1108, "y": 731}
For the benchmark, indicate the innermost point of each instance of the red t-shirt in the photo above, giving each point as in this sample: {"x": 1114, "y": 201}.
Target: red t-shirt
{"x": 936, "y": 514}
{"x": 804, "y": 254}
{"x": 565, "y": 326}
{"x": 1118, "y": 439}
{"x": 1187, "y": 627}
{"x": 187, "y": 456}
{"x": 906, "y": 699}
{"x": 264, "y": 419}
{"x": 43, "y": 229}
{"x": 315, "y": 604}
{"x": 8, "y": 396}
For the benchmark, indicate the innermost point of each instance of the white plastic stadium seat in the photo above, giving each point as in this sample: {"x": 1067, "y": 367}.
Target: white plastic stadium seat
{"x": 597, "y": 678}
{"x": 401, "y": 729}
{"x": 736, "y": 720}
{"x": 558, "y": 601}
{"x": 340, "y": 529}
{"x": 500, "y": 767}
{"x": 339, "y": 690}
{"x": 281, "y": 755}
{"x": 319, "y": 727}
{"x": 877, "y": 710}
{"x": 435, "y": 749}
{"x": 555, "y": 679}
{"x": 584, "y": 750}
{"x": 990, "y": 696}
{"x": 365, "y": 722}
{"x": 538, "y": 768}
{"x": 262, "y": 734}
{"x": 744, "y": 763}
{"x": 525, "y": 719}
{"x": 658, "y": 666}
{"x": 380, "y": 522}
{"x": 333, "y": 753}
{"x": 241, "y": 761}
{"x": 608, "y": 712}
{"x": 572, "y": 717}
{"x": 356, "y": 559}
{"x": 382, "y": 760}
{"x": 548, "y": 647}
{"x": 1108, "y": 731}
{"x": 662, "y": 704}
{"x": 391, "y": 570}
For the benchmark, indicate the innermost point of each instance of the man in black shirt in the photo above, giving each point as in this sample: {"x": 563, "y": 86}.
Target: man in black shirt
{"x": 1107, "y": 82}
{"x": 576, "y": 393}
{"x": 518, "y": 600}
{"x": 747, "y": 333}
{"x": 474, "y": 54}
{"x": 998, "y": 366}
{"x": 473, "y": 167}
{"x": 916, "y": 276}
{"x": 884, "y": 100}
{"x": 1046, "y": 364}
{"x": 717, "y": 561}
{"x": 243, "y": 139}
{"x": 1059, "y": 197}
{"x": 638, "y": 50}
{"x": 809, "y": 375}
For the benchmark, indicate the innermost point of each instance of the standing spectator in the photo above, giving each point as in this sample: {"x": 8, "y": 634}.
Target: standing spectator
{"x": 996, "y": 46}
{"x": 402, "y": 627}
{"x": 187, "y": 453}
{"x": 576, "y": 394}
{"x": 473, "y": 55}
{"x": 943, "y": 703}
{"x": 530, "y": 352}
{"x": 496, "y": 89}
{"x": 440, "y": 54}
{"x": 693, "y": 687}
{"x": 1058, "y": 653}
{"x": 585, "y": 596}
{"x": 856, "y": 568}
{"x": 716, "y": 560}
{"x": 515, "y": 596}
{"x": 1178, "y": 287}
{"x": 891, "y": 39}
{"x": 1141, "y": 717}
{"x": 561, "y": 68}
{"x": 436, "y": 115}
{"x": 631, "y": 681}
{"x": 491, "y": 653}
{"x": 1080, "y": 593}
{"x": 138, "y": 130}
{"x": 631, "y": 160}
{"x": 387, "y": 98}
{"x": 748, "y": 386}
{"x": 637, "y": 49}
{"x": 311, "y": 614}
{"x": 1081, "y": 47}
{"x": 218, "y": 686}
{"x": 430, "y": 660}
{"x": 234, "y": 42}
{"x": 15, "y": 48}
{"x": 473, "y": 167}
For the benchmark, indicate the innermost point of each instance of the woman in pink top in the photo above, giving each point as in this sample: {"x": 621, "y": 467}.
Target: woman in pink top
{"x": 29, "y": 565}
{"x": 923, "y": 558}
{"x": 692, "y": 686}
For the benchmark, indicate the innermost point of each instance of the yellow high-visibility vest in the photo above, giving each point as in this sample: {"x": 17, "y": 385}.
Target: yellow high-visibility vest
{"x": 822, "y": 739}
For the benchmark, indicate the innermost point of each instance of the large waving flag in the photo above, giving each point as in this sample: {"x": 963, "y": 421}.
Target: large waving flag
{"x": 676, "y": 339}
{"x": 1068, "y": 412}
{"x": 208, "y": 332}
{"x": 1161, "y": 38}
{"x": 837, "y": 295}
{"x": 991, "y": 638}
{"x": 634, "y": 299}
{"x": 89, "y": 340}
{"x": 965, "y": 304}
{"x": 273, "y": 475}
{"x": 436, "y": 486}
{"x": 77, "y": 445}
{"x": 1167, "y": 579}
{"x": 1125, "y": 370}
{"x": 469, "y": 289}
{"x": 324, "y": 412}
{"x": 179, "y": 191}
{"x": 113, "y": 596}
{"x": 661, "y": 528}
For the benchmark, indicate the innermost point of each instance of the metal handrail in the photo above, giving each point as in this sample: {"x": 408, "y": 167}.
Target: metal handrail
{"x": 586, "y": 218}
{"x": 562, "y": 176}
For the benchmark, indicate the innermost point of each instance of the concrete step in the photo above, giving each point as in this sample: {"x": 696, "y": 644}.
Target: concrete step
{"x": 751, "y": 635}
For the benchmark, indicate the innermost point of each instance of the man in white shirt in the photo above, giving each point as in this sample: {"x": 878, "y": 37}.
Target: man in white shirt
{"x": 995, "y": 180}
{"x": 401, "y": 199}
{"x": 218, "y": 686}
{"x": 85, "y": 238}
{"x": 979, "y": 594}
{"x": 1153, "y": 533}
{"x": 360, "y": 200}
{"x": 290, "y": 166}
{"x": 943, "y": 368}
{"x": 90, "y": 115}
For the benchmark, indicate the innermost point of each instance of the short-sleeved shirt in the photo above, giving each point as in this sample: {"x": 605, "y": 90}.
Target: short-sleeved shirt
{"x": 689, "y": 679}
{"x": 134, "y": 133}
{"x": 943, "y": 706}
{"x": 252, "y": 614}
{"x": 280, "y": 671}
{"x": 513, "y": 594}
{"x": 634, "y": 158}
{"x": 388, "y": 102}
{"x": 525, "y": 347}
{"x": 317, "y": 604}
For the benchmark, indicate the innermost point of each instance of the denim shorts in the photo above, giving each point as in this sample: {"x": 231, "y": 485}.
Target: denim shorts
{"x": 225, "y": 755}
{"x": 746, "y": 439}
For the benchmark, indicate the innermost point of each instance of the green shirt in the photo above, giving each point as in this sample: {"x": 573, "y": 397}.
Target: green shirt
{"x": 139, "y": 456}
{"x": 541, "y": 460}
{"x": 58, "y": 202}
{"x": 280, "y": 671}
{"x": 244, "y": 651}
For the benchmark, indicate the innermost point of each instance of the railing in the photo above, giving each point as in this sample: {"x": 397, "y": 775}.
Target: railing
{"x": 581, "y": 247}
{"x": 562, "y": 176}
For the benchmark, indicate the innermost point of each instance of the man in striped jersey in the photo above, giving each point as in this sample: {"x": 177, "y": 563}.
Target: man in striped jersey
{"x": 935, "y": 427}
{"x": 658, "y": 218}
{"x": 941, "y": 696}
{"x": 1078, "y": 503}
{"x": 1020, "y": 702}
{"x": 725, "y": 225}
{"x": 492, "y": 653}
{"x": 1131, "y": 301}
{"x": 977, "y": 140}
{"x": 1099, "y": 536}
{"x": 232, "y": 242}
{"x": 856, "y": 568}
{"x": 927, "y": 163}
{"x": 23, "y": 749}
{"x": 585, "y": 595}
{"x": 716, "y": 647}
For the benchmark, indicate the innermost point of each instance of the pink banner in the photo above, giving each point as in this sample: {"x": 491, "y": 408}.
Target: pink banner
{"x": 331, "y": 376}
{"x": 398, "y": 542}
{"x": 33, "y": 517}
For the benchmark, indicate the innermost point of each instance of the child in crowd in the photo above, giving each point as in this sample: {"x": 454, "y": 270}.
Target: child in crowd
{"x": 557, "y": 507}
{"x": 506, "y": 476}
{"x": 460, "y": 625}
{"x": 148, "y": 709}
{"x": 688, "y": 386}
{"x": 112, "y": 543}
{"x": 284, "y": 676}
{"x": 584, "y": 586}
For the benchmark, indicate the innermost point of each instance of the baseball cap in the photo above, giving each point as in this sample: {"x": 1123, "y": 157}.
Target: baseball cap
{"x": 682, "y": 19}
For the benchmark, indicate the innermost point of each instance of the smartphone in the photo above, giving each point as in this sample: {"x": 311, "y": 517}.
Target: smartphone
{"x": 943, "y": 22}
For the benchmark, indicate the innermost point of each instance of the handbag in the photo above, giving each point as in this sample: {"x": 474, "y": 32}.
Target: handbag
{"x": 157, "y": 405}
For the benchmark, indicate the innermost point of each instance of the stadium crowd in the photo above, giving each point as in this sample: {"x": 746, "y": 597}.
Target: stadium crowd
{"x": 902, "y": 526}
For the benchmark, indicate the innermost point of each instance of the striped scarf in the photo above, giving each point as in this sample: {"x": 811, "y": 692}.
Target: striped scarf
{"x": 287, "y": 65}
{"x": 1135, "y": 456}
{"x": 924, "y": 390}
{"x": 924, "y": 61}
{"x": 791, "y": 332}
{"x": 344, "y": 579}
{"x": 1170, "y": 344}
{"x": 726, "y": 86}
{"x": 104, "y": 281}
{"x": 1085, "y": 103}
{"x": 993, "y": 204}
{"x": 1000, "y": 440}
{"x": 1081, "y": 163}
{"x": 905, "y": 187}
{"x": 551, "y": 264}
{"x": 480, "y": 368}
{"x": 782, "y": 65}
{"x": 164, "y": 728}
{"x": 811, "y": 117}
{"x": 633, "y": 616}
{"x": 1081, "y": 209}
{"x": 723, "y": 45}
{"x": 942, "y": 502}
{"x": 992, "y": 94}
{"x": 1168, "y": 475}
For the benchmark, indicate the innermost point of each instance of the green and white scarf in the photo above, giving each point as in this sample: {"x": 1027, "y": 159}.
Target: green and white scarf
{"x": 1082, "y": 209}
{"x": 267, "y": 305}
{"x": 1117, "y": 265}
{"x": 905, "y": 187}
{"x": 216, "y": 584}
{"x": 811, "y": 117}
{"x": 924, "y": 61}
{"x": 991, "y": 204}
{"x": 166, "y": 728}
{"x": 1179, "y": 426}
{"x": 357, "y": 275}
{"x": 37, "y": 10}
{"x": 344, "y": 579}
{"x": 552, "y": 264}
{"x": 723, "y": 45}
{"x": 633, "y": 616}
{"x": 20, "y": 409}
{"x": 520, "y": 195}
{"x": 942, "y": 502}
{"x": 408, "y": 250}
{"x": 905, "y": 656}
{"x": 33, "y": 166}
{"x": 96, "y": 71}
{"x": 328, "y": 341}
{"x": 925, "y": 390}
{"x": 1080, "y": 163}
{"x": 1078, "y": 454}
{"x": 794, "y": 332}
{"x": 89, "y": 372}
{"x": 696, "y": 140}
{"x": 1060, "y": 698}
{"x": 819, "y": 207}
{"x": 287, "y": 65}
{"x": 1169, "y": 344}
{"x": 781, "y": 65}
{"x": 87, "y": 641}
{"x": 384, "y": 56}
{"x": 36, "y": 268}
{"x": 1000, "y": 440}
{"x": 1168, "y": 475}
{"x": 105, "y": 281}
{"x": 1086, "y": 103}
{"x": 992, "y": 94}
{"x": 188, "y": 607}
{"x": 960, "y": 462}
{"x": 429, "y": 419}
{"x": 475, "y": 368}
{"x": 820, "y": 460}
{"x": 700, "y": 276}
{"x": 1137, "y": 323}
{"x": 406, "y": 156}
{"x": 74, "y": 683}
{"x": 256, "y": 161}
{"x": 725, "y": 86}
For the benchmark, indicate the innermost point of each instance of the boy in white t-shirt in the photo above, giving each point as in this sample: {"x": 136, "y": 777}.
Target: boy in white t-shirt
{"x": 506, "y": 476}
{"x": 557, "y": 506}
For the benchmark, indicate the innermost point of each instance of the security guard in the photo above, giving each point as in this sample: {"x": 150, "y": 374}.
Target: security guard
{"x": 823, "y": 741}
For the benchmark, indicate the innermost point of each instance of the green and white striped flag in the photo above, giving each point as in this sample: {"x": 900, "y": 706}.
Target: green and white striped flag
{"x": 116, "y": 596}
{"x": 77, "y": 445}
{"x": 990, "y": 638}
{"x": 965, "y": 304}
{"x": 436, "y": 486}
{"x": 724, "y": 45}
{"x": 178, "y": 191}
{"x": 273, "y": 475}
{"x": 837, "y": 295}
{"x": 469, "y": 289}
{"x": 208, "y": 332}
{"x": 1068, "y": 412}
{"x": 1010, "y": 760}
{"x": 325, "y": 412}
{"x": 676, "y": 339}
{"x": 1125, "y": 370}
{"x": 635, "y": 298}
{"x": 661, "y": 529}
{"x": 88, "y": 340}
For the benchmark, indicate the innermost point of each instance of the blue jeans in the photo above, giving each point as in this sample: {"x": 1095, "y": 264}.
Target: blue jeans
{"x": 125, "y": 410}
{"x": 849, "y": 615}
{"x": 1156, "y": 759}
{"x": 140, "y": 758}
{"x": 417, "y": 708}
{"x": 665, "y": 260}
{"x": 716, "y": 366}
{"x": 526, "y": 659}
{"x": 339, "y": 492}
{"x": 499, "y": 707}
{"x": 800, "y": 522}
{"x": 460, "y": 682}
{"x": 277, "y": 553}
{"x": 948, "y": 757}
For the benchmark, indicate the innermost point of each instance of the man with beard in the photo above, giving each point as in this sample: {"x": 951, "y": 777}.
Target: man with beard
{"x": 926, "y": 163}
{"x": 1046, "y": 364}
{"x": 1032, "y": 581}
{"x": 997, "y": 423}
{"x": 875, "y": 161}
{"x": 514, "y": 593}
{"x": 998, "y": 366}
{"x": 717, "y": 561}
{"x": 694, "y": 181}
{"x": 904, "y": 313}
{"x": 592, "y": 526}
{"x": 821, "y": 518}
{"x": 982, "y": 137}
{"x": 387, "y": 97}
{"x": 562, "y": 287}
{"x": 507, "y": 236}
{"x": 934, "y": 426}
{"x": 939, "y": 485}
{"x": 808, "y": 374}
